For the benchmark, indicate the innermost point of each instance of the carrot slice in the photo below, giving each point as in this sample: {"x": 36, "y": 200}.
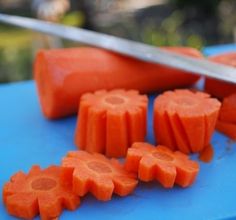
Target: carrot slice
{"x": 162, "y": 164}
{"x": 217, "y": 88}
{"x": 96, "y": 174}
{"x": 185, "y": 120}
{"x": 228, "y": 109}
{"x": 109, "y": 122}
{"x": 227, "y": 128}
{"x": 63, "y": 75}
{"x": 39, "y": 192}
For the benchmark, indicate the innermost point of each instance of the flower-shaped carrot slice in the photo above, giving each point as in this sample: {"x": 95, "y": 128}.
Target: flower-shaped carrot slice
{"x": 96, "y": 174}
{"x": 185, "y": 120}
{"x": 162, "y": 164}
{"x": 109, "y": 122}
{"x": 39, "y": 192}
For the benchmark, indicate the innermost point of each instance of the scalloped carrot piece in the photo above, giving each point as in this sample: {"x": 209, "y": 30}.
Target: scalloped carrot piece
{"x": 38, "y": 192}
{"x": 185, "y": 120}
{"x": 97, "y": 174}
{"x": 229, "y": 129}
{"x": 162, "y": 164}
{"x": 109, "y": 122}
{"x": 228, "y": 109}
{"x": 218, "y": 88}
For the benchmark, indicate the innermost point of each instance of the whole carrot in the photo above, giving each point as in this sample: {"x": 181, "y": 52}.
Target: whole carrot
{"x": 63, "y": 75}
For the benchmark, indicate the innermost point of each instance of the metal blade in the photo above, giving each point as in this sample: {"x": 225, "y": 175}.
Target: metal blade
{"x": 127, "y": 47}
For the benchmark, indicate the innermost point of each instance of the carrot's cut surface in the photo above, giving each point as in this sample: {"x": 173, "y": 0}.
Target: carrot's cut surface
{"x": 228, "y": 109}
{"x": 96, "y": 174}
{"x": 217, "y": 88}
{"x": 229, "y": 129}
{"x": 63, "y": 75}
{"x": 162, "y": 164}
{"x": 39, "y": 192}
{"x": 109, "y": 122}
{"x": 185, "y": 120}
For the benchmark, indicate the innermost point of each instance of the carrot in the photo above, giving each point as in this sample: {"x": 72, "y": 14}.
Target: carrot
{"x": 217, "y": 88}
{"x": 227, "y": 128}
{"x": 207, "y": 154}
{"x": 185, "y": 120}
{"x": 39, "y": 192}
{"x": 63, "y": 75}
{"x": 162, "y": 164}
{"x": 96, "y": 174}
{"x": 228, "y": 109}
{"x": 109, "y": 122}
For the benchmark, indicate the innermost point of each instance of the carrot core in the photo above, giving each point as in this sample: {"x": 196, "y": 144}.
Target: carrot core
{"x": 99, "y": 167}
{"x": 43, "y": 184}
{"x": 162, "y": 156}
{"x": 185, "y": 101}
{"x": 114, "y": 100}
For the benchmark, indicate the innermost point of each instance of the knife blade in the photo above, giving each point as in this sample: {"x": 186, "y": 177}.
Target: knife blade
{"x": 126, "y": 47}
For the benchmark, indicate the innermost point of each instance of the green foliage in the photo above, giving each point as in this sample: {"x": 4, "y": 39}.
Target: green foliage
{"x": 15, "y": 54}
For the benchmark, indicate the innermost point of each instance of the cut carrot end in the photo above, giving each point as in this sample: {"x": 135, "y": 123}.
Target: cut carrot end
{"x": 27, "y": 195}
{"x": 185, "y": 120}
{"x": 96, "y": 174}
{"x": 109, "y": 122}
{"x": 162, "y": 164}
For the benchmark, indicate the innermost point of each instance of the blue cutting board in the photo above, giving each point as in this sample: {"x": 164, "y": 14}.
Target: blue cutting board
{"x": 27, "y": 138}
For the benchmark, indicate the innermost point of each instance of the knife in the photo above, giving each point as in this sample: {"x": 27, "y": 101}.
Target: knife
{"x": 126, "y": 47}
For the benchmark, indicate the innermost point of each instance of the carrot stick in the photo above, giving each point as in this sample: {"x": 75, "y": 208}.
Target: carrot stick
{"x": 39, "y": 192}
{"x": 63, "y": 75}
{"x": 109, "y": 122}
{"x": 228, "y": 109}
{"x": 185, "y": 120}
{"x": 217, "y": 88}
{"x": 227, "y": 128}
{"x": 96, "y": 174}
{"x": 162, "y": 164}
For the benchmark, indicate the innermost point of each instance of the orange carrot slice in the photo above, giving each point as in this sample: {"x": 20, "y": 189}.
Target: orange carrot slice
{"x": 63, "y": 75}
{"x": 228, "y": 109}
{"x": 217, "y": 88}
{"x": 109, "y": 122}
{"x": 39, "y": 192}
{"x": 162, "y": 164}
{"x": 227, "y": 128}
{"x": 185, "y": 120}
{"x": 96, "y": 174}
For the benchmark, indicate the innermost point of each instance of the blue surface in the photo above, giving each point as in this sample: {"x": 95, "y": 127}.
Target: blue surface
{"x": 27, "y": 138}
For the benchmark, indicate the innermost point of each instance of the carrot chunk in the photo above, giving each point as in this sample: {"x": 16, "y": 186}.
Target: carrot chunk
{"x": 63, "y": 75}
{"x": 96, "y": 174}
{"x": 109, "y": 122}
{"x": 39, "y": 192}
{"x": 227, "y": 128}
{"x": 185, "y": 120}
{"x": 217, "y": 88}
{"x": 228, "y": 109}
{"x": 162, "y": 164}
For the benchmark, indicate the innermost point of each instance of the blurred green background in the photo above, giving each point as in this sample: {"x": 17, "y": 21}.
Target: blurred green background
{"x": 194, "y": 23}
